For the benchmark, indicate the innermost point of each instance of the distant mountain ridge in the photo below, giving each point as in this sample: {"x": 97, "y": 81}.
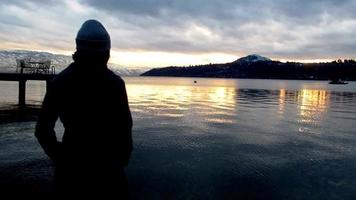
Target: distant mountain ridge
{"x": 8, "y": 59}
{"x": 252, "y": 58}
{"x": 8, "y": 62}
{"x": 256, "y": 66}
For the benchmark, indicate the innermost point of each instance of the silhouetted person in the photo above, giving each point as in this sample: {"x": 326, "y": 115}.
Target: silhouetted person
{"x": 91, "y": 102}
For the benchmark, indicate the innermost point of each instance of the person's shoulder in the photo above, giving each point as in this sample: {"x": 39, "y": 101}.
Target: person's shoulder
{"x": 115, "y": 77}
{"x": 64, "y": 75}
{"x": 65, "y": 72}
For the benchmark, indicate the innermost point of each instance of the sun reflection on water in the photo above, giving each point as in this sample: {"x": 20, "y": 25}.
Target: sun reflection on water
{"x": 282, "y": 99}
{"x": 218, "y": 104}
{"x": 312, "y": 106}
{"x": 214, "y": 103}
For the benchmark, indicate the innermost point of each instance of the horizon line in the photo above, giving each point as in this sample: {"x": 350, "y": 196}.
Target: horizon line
{"x": 229, "y": 58}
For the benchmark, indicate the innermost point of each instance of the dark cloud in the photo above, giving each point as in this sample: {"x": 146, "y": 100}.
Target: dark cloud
{"x": 27, "y": 3}
{"x": 276, "y": 28}
{"x": 241, "y": 10}
{"x": 235, "y": 23}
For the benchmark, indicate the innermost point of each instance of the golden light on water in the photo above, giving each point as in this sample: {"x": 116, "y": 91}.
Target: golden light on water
{"x": 222, "y": 96}
{"x": 177, "y": 101}
{"x": 282, "y": 99}
{"x": 181, "y": 94}
{"x": 218, "y": 104}
{"x": 312, "y": 100}
{"x": 312, "y": 105}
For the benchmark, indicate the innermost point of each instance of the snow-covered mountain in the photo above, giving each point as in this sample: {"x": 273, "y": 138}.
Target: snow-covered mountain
{"x": 8, "y": 62}
{"x": 252, "y": 59}
{"x": 8, "y": 59}
{"x": 127, "y": 71}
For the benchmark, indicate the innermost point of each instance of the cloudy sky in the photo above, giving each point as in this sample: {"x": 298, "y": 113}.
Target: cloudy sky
{"x": 176, "y": 32}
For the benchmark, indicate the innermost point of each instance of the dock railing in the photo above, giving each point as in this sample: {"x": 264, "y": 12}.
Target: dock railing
{"x": 27, "y": 69}
{"x": 27, "y": 66}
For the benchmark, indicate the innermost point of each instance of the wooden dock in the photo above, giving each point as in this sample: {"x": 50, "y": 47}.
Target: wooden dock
{"x": 22, "y": 78}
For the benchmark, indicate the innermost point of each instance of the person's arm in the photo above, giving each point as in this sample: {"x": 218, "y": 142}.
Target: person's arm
{"x": 45, "y": 125}
{"x": 127, "y": 126}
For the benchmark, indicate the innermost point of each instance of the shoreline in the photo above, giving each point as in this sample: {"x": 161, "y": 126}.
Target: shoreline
{"x": 257, "y": 78}
{"x": 15, "y": 113}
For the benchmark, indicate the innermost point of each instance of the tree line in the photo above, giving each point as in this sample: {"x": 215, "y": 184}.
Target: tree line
{"x": 339, "y": 69}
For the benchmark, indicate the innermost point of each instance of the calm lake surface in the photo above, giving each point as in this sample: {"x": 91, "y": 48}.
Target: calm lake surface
{"x": 216, "y": 139}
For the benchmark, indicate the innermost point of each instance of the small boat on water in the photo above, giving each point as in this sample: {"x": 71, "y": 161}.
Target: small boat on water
{"x": 338, "y": 82}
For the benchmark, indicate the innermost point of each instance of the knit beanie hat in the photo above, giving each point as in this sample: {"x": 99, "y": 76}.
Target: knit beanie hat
{"x": 92, "y": 36}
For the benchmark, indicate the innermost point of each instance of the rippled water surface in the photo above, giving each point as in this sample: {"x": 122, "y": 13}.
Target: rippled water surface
{"x": 223, "y": 138}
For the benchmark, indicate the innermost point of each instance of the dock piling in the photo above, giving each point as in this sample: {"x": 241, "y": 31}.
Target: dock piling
{"x": 22, "y": 93}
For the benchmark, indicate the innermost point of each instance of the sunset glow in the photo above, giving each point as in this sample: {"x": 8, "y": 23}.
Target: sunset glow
{"x": 146, "y": 34}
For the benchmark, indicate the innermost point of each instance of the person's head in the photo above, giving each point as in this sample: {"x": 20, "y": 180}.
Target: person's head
{"x": 93, "y": 44}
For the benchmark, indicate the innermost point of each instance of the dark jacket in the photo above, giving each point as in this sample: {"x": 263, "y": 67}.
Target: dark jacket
{"x": 93, "y": 107}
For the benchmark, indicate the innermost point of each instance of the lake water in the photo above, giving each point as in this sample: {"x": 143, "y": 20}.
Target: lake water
{"x": 217, "y": 139}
